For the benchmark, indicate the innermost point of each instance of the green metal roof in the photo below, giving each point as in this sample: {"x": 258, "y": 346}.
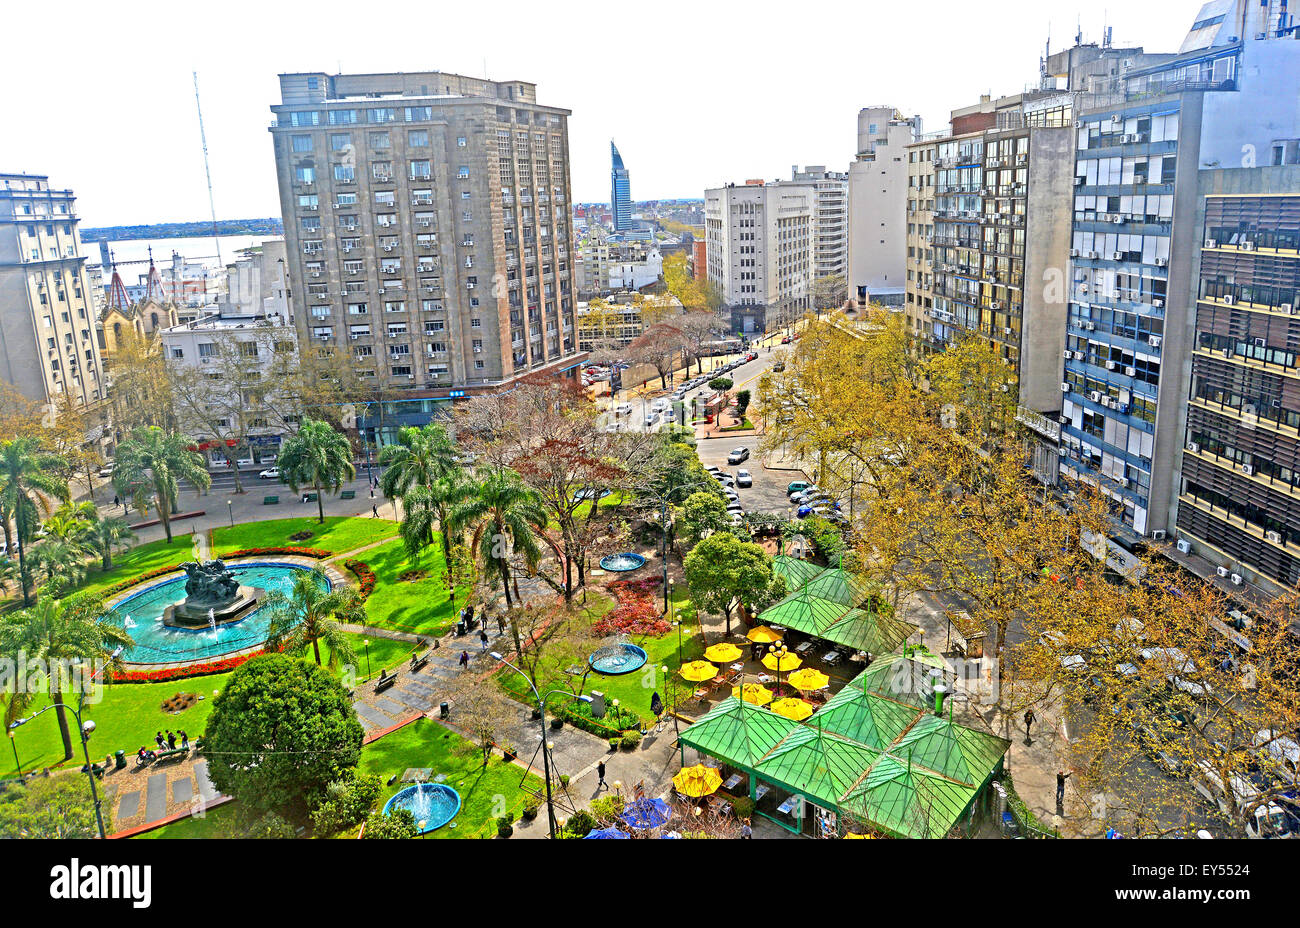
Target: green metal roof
{"x": 864, "y": 631}
{"x": 907, "y": 799}
{"x": 803, "y": 613}
{"x": 840, "y": 586}
{"x": 908, "y": 680}
{"x": 957, "y": 752}
{"x": 866, "y": 718}
{"x": 737, "y": 731}
{"x": 820, "y": 765}
{"x": 796, "y": 571}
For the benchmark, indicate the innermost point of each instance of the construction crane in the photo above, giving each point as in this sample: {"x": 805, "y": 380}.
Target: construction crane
{"x": 203, "y": 136}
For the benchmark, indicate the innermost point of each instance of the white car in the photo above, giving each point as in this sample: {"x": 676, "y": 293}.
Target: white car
{"x": 744, "y": 478}
{"x": 623, "y": 409}
{"x": 271, "y": 473}
{"x": 651, "y": 418}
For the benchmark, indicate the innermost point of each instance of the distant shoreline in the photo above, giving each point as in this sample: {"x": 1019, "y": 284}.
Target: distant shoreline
{"x": 270, "y": 226}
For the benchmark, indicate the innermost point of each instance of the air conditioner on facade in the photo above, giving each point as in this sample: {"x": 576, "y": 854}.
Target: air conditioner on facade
{"x": 1184, "y": 546}
{"x": 1130, "y": 371}
{"x": 1227, "y": 352}
{"x": 1074, "y": 252}
{"x": 1065, "y": 387}
{"x": 1079, "y": 181}
{"x": 1247, "y": 246}
{"x": 1078, "y": 356}
{"x": 1161, "y": 262}
{"x": 1221, "y": 571}
{"x": 1211, "y": 243}
{"x": 1093, "y": 256}
{"x": 1236, "y": 579}
{"x": 1158, "y": 535}
{"x": 1110, "y": 365}
{"x": 1094, "y": 395}
{"x": 1087, "y": 325}
{"x": 1117, "y": 256}
{"x": 1248, "y": 470}
{"x": 1158, "y": 304}
{"x": 1155, "y": 341}
{"x": 1275, "y": 537}
{"x": 1117, "y": 218}
{"x": 1067, "y": 354}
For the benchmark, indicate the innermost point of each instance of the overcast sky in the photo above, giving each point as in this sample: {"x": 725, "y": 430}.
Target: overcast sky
{"x": 100, "y": 97}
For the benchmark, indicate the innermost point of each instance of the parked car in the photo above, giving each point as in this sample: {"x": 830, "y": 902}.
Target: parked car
{"x": 785, "y": 339}
{"x": 271, "y": 473}
{"x": 738, "y": 455}
{"x": 744, "y": 478}
{"x": 713, "y": 469}
{"x": 734, "y": 506}
{"x": 797, "y": 486}
{"x": 651, "y": 418}
{"x": 623, "y": 409}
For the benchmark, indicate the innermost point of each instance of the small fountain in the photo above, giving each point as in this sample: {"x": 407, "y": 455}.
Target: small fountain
{"x": 212, "y": 596}
{"x": 620, "y": 563}
{"x": 127, "y": 623}
{"x": 616, "y": 656}
{"x": 434, "y": 804}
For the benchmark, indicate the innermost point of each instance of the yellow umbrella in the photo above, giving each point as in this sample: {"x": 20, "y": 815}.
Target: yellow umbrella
{"x": 764, "y": 634}
{"x": 853, "y": 835}
{"x": 723, "y": 653}
{"x": 792, "y": 708}
{"x": 697, "y": 781}
{"x": 810, "y": 678}
{"x": 698, "y": 671}
{"x": 756, "y": 693}
{"x": 783, "y": 662}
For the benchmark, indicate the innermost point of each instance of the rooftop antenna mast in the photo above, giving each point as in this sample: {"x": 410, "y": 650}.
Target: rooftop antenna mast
{"x": 207, "y": 170}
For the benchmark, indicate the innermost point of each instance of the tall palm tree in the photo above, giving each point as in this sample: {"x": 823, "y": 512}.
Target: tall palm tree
{"x": 109, "y": 534}
{"x": 308, "y": 614}
{"x": 151, "y": 463}
{"x": 319, "y": 457}
{"x": 29, "y": 480}
{"x": 421, "y": 456}
{"x": 71, "y": 522}
{"x": 503, "y": 514}
{"x": 63, "y": 563}
{"x": 430, "y": 509}
{"x": 59, "y": 632}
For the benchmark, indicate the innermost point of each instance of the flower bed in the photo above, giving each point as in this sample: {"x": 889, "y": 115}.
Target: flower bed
{"x": 289, "y": 550}
{"x": 637, "y": 612}
{"x": 162, "y": 674}
{"x": 121, "y": 585}
{"x": 364, "y": 575}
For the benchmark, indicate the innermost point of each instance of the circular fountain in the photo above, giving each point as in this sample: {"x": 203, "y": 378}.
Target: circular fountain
{"x": 208, "y": 633}
{"x": 620, "y": 563}
{"x": 435, "y": 804}
{"x": 617, "y": 656}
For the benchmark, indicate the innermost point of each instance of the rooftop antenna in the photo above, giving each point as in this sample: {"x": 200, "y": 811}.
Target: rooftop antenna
{"x": 207, "y": 170}
{"x": 1078, "y": 31}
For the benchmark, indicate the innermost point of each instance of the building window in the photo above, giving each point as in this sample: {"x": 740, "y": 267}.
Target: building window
{"x": 417, "y": 138}
{"x": 302, "y": 143}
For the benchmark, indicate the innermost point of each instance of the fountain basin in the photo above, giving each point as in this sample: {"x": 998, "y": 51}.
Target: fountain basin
{"x": 617, "y": 659}
{"x": 620, "y": 563}
{"x": 435, "y": 804}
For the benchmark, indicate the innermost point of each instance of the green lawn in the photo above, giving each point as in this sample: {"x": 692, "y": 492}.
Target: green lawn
{"x": 633, "y": 690}
{"x": 127, "y": 717}
{"x": 420, "y": 607}
{"x": 338, "y": 534}
{"x": 213, "y": 824}
{"x": 140, "y": 559}
{"x": 484, "y": 791}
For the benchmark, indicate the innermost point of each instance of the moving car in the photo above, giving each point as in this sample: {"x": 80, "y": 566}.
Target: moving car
{"x": 738, "y": 455}
{"x": 744, "y": 478}
{"x": 623, "y": 409}
{"x": 271, "y": 473}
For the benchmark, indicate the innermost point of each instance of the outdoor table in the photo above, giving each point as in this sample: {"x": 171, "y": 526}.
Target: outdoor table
{"x": 788, "y": 807}
{"x": 831, "y": 657}
{"x": 859, "y": 657}
{"x": 417, "y": 774}
{"x": 804, "y": 648}
{"x": 765, "y": 678}
{"x": 701, "y": 694}
{"x": 732, "y": 782}
{"x": 738, "y": 666}
{"x": 763, "y": 790}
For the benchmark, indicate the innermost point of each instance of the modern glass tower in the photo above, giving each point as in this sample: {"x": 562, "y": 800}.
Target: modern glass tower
{"x": 620, "y": 191}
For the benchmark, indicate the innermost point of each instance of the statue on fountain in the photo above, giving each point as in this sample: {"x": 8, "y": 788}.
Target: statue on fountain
{"x": 212, "y": 596}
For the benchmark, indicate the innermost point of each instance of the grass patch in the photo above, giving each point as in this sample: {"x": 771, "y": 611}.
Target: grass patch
{"x": 339, "y": 534}
{"x": 139, "y": 559}
{"x": 126, "y": 717}
{"x": 215, "y": 823}
{"x": 484, "y": 791}
{"x": 421, "y": 606}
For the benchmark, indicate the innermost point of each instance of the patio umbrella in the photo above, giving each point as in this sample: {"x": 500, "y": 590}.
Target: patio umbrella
{"x": 764, "y": 634}
{"x": 723, "y": 653}
{"x": 670, "y": 834}
{"x": 809, "y": 678}
{"x": 783, "y": 662}
{"x": 697, "y": 781}
{"x": 792, "y": 708}
{"x": 756, "y": 693}
{"x": 607, "y": 833}
{"x": 646, "y": 813}
{"x": 698, "y": 671}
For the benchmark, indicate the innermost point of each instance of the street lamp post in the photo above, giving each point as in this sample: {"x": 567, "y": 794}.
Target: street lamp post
{"x": 546, "y": 751}
{"x": 14, "y": 744}
{"x": 87, "y": 728}
{"x": 230, "y": 507}
{"x": 366, "y": 643}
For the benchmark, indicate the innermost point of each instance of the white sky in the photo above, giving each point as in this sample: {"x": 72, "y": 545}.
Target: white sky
{"x": 99, "y": 95}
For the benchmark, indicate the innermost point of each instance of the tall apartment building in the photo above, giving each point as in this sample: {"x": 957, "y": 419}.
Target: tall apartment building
{"x": 427, "y": 225}
{"x": 48, "y": 349}
{"x": 1137, "y": 249}
{"x": 759, "y": 245}
{"x": 830, "y": 218}
{"x": 620, "y": 191}
{"x": 919, "y": 269}
{"x": 877, "y": 206}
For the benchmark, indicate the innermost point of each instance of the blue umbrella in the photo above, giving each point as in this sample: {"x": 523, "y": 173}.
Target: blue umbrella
{"x": 607, "y": 833}
{"x": 646, "y": 813}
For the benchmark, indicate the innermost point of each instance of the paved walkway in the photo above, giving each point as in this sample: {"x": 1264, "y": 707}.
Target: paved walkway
{"x": 140, "y": 796}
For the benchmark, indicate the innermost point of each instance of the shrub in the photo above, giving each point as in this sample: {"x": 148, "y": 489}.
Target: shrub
{"x": 631, "y": 740}
{"x": 742, "y": 403}
{"x": 580, "y": 823}
{"x": 743, "y": 807}
{"x": 400, "y": 823}
{"x": 720, "y": 384}
{"x": 531, "y": 808}
{"x": 607, "y": 809}
{"x": 616, "y": 742}
{"x": 347, "y": 803}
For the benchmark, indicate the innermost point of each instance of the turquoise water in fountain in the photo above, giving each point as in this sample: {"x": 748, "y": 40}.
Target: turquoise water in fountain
{"x": 141, "y": 615}
{"x": 432, "y": 803}
{"x": 622, "y": 562}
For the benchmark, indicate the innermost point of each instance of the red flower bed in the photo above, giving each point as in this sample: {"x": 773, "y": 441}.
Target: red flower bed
{"x": 637, "y": 612}
{"x": 162, "y": 674}
{"x": 364, "y": 574}
{"x": 292, "y": 550}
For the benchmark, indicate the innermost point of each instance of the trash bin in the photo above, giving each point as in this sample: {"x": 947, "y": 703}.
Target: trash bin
{"x": 444, "y": 710}
{"x": 119, "y": 760}
{"x": 460, "y": 627}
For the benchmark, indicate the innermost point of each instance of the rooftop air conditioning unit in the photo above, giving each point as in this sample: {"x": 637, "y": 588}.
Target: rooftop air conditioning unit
{"x": 1221, "y": 571}
{"x": 1247, "y": 470}
{"x": 1275, "y": 537}
{"x": 1184, "y": 546}
{"x": 1236, "y": 579}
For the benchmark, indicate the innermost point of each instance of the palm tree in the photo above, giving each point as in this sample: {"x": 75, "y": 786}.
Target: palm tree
{"x": 107, "y": 535}
{"x": 151, "y": 463}
{"x": 429, "y": 509}
{"x": 421, "y": 456}
{"x": 71, "y": 522}
{"x": 57, "y": 632}
{"x": 29, "y": 479}
{"x": 307, "y": 616}
{"x": 504, "y": 514}
{"x": 63, "y": 563}
{"x": 318, "y": 457}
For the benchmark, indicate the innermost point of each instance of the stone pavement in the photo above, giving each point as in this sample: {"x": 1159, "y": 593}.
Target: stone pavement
{"x": 140, "y": 796}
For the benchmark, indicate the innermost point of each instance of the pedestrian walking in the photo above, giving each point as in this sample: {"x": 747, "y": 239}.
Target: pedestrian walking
{"x": 501, "y": 625}
{"x": 372, "y": 492}
{"x": 374, "y": 511}
{"x": 600, "y": 772}
{"x": 171, "y": 741}
{"x": 483, "y": 638}
{"x": 746, "y": 833}
{"x": 657, "y": 707}
{"x": 1029, "y": 721}
{"x": 185, "y": 740}
{"x": 1061, "y": 777}
{"x": 116, "y": 501}
{"x": 464, "y": 658}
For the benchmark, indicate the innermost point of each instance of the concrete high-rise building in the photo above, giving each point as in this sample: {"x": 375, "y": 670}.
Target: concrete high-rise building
{"x": 48, "y": 349}
{"x": 830, "y": 218}
{"x": 759, "y": 246}
{"x": 427, "y": 227}
{"x": 620, "y": 191}
{"x": 1136, "y": 259}
{"x": 877, "y": 206}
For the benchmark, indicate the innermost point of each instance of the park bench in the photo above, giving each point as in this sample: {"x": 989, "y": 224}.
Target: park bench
{"x": 348, "y": 494}
{"x": 270, "y": 500}
{"x": 310, "y": 497}
{"x": 385, "y": 681}
{"x": 418, "y": 661}
{"x": 172, "y": 755}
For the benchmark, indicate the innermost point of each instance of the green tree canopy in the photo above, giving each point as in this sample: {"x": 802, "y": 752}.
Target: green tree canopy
{"x": 702, "y": 513}
{"x": 723, "y": 571}
{"x": 151, "y": 464}
{"x": 29, "y": 479}
{"x": 310, "y": 614}
{"x": 318, "y": 457}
